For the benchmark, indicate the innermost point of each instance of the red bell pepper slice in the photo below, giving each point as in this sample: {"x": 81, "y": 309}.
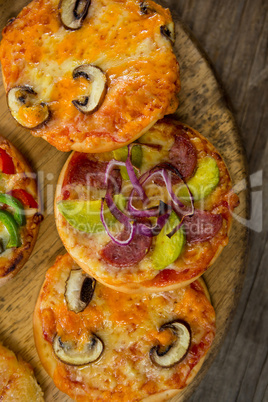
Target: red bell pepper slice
{"x": 6, "y": 163}
{"x": 25, "y": 198}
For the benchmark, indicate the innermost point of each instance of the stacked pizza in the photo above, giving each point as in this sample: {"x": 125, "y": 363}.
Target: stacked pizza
{"x": 143, "y": 203}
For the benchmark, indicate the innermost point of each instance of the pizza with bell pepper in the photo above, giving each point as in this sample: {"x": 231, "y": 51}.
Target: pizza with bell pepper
{"x": 19, "y": 211}
{"x": 98, "y": 344}
{"x": 151, "y": 216}
{"x": 90, "y": 75}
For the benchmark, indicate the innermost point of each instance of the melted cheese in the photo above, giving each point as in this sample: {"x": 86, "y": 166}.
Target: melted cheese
{"x": 129, "y": 328}
{"x": 137, "y": 59}
{"x": 11, "y": 260}
{"x": 195, "y": 257}
{"x": 17, "y": 382}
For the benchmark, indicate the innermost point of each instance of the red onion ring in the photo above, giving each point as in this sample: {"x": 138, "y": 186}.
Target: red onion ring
{"x": 111, "y": 165}
{"x": 130, "y": 226}
{"x": 132, "y": 176}
{"x": 138, "y": 184}
{"x": 151, "y": 231}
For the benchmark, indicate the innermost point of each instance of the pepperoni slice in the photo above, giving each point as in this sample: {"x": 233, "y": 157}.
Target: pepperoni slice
{"x": 124, "y": 256}
{"x": 160, "y": 182}
{"x": 202, "y": 226}
{"x": 183, "y": 155}
{"x": 89, "y": 171}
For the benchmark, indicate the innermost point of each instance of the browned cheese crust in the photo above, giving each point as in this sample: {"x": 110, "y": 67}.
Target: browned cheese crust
{"x": 195, "y": 258}
{"x": 17, "y": 381}
{"x": 127, "y": 40}
{"x": 12, "y": 260}
{"x": 128, "y": 327}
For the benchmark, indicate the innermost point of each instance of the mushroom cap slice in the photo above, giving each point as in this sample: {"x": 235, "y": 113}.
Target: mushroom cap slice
{"x": 94, "y": 74}
{"x": 145, "y": 8}
{"x": 169, "y": 32}
{"x": 174, "y": 353}
{"x": 79, "y": 290}
{"x": 26, "y": 108}
{"x": 78, "y": 355}
{"x": 73, "y": 12}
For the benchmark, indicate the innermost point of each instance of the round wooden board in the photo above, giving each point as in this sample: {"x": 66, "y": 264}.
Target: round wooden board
{"x": 202, "y": 106}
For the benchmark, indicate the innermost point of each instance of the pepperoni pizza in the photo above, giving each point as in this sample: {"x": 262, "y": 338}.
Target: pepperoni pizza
{"x": 167, "y": 231}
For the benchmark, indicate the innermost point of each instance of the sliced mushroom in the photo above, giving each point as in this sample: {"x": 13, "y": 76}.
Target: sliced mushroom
{"x": 174, "y": 353}
{"x": 169, "y": 32}
{"x": 145, "y": 8}
{"x": 73, "y": 13}
{"x": 78, "y": 355}
{"x": 79, "y": 290}
{"x": 91, "y": 102}
{"x": 10, "y": 21}
{"x": 26, "y": 108}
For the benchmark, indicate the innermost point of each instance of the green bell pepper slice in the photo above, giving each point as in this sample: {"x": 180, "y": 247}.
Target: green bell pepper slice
{"x": 85, "y": 215}
{"x": 19, "y": 215}
{"x": 121, "y": 154}
{"x": 204, "y": 181}
{"x": 12, "y": 228}
{"x": 167, "y": 250}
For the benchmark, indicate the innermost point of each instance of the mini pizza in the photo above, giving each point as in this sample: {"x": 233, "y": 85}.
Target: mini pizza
{"x": 151, "y": 216}
{"x": 17, "y": 381}
{"x": 90, "y": 76}
{"x": 101, "y": 345}
{"x": 19, "y": 215}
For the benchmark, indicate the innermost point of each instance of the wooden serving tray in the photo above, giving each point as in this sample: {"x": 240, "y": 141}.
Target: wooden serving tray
{"x": 202, "y": 106}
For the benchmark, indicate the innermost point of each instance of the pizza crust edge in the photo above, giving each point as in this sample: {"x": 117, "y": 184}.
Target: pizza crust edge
{"x": 141, "y": 287}
{"x": 49, "y": 361}
{"x": 17, "y": 370}
{"x": 16, "y": 264}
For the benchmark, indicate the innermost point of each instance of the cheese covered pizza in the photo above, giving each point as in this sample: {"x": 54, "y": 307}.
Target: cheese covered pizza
{"x": 17, "y": 381}
{"x": 101, "y": 345}
{"x": 151, "y": 216}
{"x": 19, "y": 214}
{"x": 90, "y": 76}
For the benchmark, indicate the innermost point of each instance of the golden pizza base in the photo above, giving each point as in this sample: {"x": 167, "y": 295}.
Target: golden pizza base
{"x": 17, "y": 381}
{"x": 126, "y": 43}
{"x": 129, "y": 328}
{"x": 194, "y": 259}
{"x": 12, "y": 260}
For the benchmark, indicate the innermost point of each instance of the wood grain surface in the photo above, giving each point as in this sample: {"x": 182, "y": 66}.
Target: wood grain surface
{"x": 234, "y": 35}
{"x": 204, "y": 107}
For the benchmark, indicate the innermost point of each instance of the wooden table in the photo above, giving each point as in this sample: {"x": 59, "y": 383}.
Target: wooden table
{"x": 234, "y": 34}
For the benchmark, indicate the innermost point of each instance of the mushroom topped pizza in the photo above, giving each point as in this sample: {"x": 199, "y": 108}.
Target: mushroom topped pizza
{"x": 19, "y": 212}
{"x": 101, "y": 345}
{"x": 148, "y": 217}
{"x": 90, "y": 75}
